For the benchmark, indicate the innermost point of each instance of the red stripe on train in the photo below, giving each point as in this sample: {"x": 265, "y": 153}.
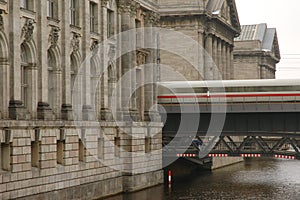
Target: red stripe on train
{"x": 225, "y": 95}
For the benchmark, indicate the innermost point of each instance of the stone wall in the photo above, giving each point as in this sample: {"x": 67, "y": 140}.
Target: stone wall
{"x": 81, "y": 170}
{"x": 62, "y": 130}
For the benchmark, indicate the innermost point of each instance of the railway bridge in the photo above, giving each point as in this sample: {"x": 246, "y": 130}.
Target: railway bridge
{"x": 263, "y": 121}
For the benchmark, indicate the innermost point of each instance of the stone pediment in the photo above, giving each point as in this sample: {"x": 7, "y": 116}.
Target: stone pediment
{"x": 226, "y": 10}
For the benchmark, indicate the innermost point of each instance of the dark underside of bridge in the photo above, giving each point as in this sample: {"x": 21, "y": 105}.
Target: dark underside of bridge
{"x": 263, "y": 131}
{"x": 235, "y": 124}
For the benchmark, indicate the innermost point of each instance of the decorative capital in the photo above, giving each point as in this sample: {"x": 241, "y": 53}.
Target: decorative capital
{"x": 152, "y": 17}
{"x": 54, "y": 36}
{"x": 27, "y": 30}
{"x": 124, "y": 6}
{"x": 75, "y": 41}
{"x": 134, "y": 7}
{"x": 104, "y": 3}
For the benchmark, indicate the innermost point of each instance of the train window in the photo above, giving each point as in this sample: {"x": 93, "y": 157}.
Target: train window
{"x": 263, "y": 89}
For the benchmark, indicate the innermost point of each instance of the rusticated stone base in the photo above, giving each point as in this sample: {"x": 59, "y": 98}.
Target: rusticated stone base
{"x": 141, "y": 181}
{"x": 103, "y": 188}
{"x": 86, "y": 191}
{"x": 82, "y": 160}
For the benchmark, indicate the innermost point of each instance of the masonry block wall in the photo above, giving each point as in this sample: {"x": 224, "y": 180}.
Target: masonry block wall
{"x": 55, "y": 144}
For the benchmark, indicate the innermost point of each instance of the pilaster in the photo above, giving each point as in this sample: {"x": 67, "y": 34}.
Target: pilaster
{"x": 16, "y": 110}
{"x": 66, "y": 108}
{"x": 44, "y": 110}
{"x": 126, "y": 59}
{"x": 150, "y": 65}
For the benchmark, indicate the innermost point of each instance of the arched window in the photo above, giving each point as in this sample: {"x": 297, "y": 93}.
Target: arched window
{"x": 4, "y": 79}
{"x": 24, "y": 75}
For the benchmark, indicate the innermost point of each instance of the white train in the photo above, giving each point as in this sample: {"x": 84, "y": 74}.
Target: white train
{"x": 265, "y": 90}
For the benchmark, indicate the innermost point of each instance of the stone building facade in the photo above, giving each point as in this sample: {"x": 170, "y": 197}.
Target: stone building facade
{"x": 213, "y": 25}
{"x": 47, "y": 149}
{"x": 256, "y": 52}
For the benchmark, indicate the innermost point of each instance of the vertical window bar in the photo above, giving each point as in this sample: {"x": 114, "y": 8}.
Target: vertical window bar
{"x": 73, "y": 12}
{"x": 50, "y": 7}
{"x": 92, "y": 17}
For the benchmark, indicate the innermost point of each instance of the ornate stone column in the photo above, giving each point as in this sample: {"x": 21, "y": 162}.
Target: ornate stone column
{"x": 201, "y": 53}
{"x": 156, "y": 69}
{"x": 126, "y": 60}
{"x": 134, "y": 6}
{"x": 66, "y": 108}
{"x": 16, "y": 110}
{"x": 220, "y": 63}
{"x": 87, "y": 113}
{"x": 224, "y": 57}
{"x": 229, "y": 63}
{"x": 150, "y": 64}
{"x": 208, "y": 67}
{"x": 105, "y": 113}
{"x": 215, "y": 58}
{"x": 231, "y": 70}
{"x": 43, "y": 110}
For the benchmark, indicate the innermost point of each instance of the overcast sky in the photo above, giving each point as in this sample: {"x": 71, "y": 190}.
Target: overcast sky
{"x": 285, "y": 17}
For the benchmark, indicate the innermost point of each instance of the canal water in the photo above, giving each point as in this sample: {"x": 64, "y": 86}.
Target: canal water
{"x": 253, "y": 179}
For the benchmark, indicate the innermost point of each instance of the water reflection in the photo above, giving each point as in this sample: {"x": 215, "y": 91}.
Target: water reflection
{"x": 255, "y": 179}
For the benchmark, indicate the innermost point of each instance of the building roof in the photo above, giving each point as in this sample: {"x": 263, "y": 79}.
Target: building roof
{"x": 267, "y": 36}
{"x": 215, "y": 6}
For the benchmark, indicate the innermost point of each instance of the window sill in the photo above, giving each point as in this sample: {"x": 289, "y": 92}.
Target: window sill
{"x": 52, "y": 19}
{"x": 75, "y": 27}
{"x": 28, "y": 11}
{"x": 95, "y": 33}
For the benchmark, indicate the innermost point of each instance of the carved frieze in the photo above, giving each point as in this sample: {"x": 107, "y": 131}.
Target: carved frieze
{"x": 27, "y": 30}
